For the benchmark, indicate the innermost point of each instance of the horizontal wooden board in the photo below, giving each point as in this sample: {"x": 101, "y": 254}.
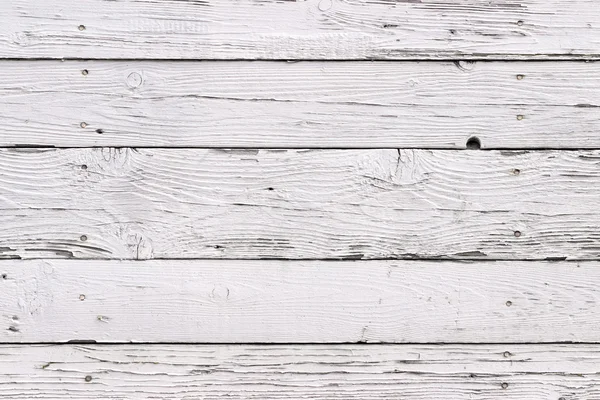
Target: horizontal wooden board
{"x": 271, "y": 301}
{"x": 313, "y": 29}
{"x": 299, "y": 204}
{"x": 450, "y": 372}
{"x": 307, "y": 104}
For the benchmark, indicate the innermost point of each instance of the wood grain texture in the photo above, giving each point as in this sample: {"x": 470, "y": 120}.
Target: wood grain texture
{"x": 468, "y": 372}
{"x": 306, "y": 104}
{"x": 299, "y": 204}
{"x": 271, "y": 301}
{"x": 313, "y": 29}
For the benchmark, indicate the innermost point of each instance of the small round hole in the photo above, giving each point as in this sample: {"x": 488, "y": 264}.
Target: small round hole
{"x": 508, "y": 303}
{"x": 4, "y": 276}
{"x": 473, "y": 143}
{"x": 517, "y": 233}
{"x": 100, "y": 131}
{"x": 88, "y": 378}
{"x": 504, "y": 385}
{"x": 84, "y": 72}
{"x": 84, "y": 167}
{"x": 83, "y": 238}
{"x": 270, "y": 188}
{"x": 81, "y": 27}
{"x": 83, "y": 124}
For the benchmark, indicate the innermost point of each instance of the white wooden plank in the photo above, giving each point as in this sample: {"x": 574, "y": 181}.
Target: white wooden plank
{"x": 306, "y": 104}
{"x": 299, "y": 204}
{"x": 313, "y": 29}
{"x": 271, "y": 301}
{"x": 412, "y": 372}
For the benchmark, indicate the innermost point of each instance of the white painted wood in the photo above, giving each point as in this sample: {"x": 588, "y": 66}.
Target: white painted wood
{"x": 271, "y": 301}
{"x": 313, "y": 29}
{"x": 306, "y": 104}
{"x": 415, "y": 372}
{"x": 299, "y": 204}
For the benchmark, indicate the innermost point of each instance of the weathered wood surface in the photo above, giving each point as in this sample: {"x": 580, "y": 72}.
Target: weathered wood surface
{"x": 272, "y": 301}
{"x": 313, "y": 29}
{"x": 465, "y": 372}
{"x": 299, "y": 204}
{"x": 306, "y": 104}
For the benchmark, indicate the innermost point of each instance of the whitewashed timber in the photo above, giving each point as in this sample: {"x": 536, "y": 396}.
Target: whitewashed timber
{"x": 307, "y": 104}
{"x": 299, "y": 204}
{"x": 313, "y": 29}
{"x": 273, "y": 301}
{"x": 218, "y": 211}
{"x": 415, "y": 372}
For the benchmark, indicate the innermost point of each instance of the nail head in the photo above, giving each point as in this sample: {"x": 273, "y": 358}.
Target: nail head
{"x": 88, "y": 378}
{"x": 83, "y": 124}
{"x": 82, "y": 27}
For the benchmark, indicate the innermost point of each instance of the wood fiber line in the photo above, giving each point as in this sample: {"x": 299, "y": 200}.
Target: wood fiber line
{"x": 313, "y": 29}
{"x": 299, "y": 105}
{"x": 236, "y": 301}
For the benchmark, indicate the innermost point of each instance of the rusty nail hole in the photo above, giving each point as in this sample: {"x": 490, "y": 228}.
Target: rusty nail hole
{"x": 473, "y": 143}
{"x": 520, "y": 23}
{"x": 504, "y": 385}
{"x": 508, "y": 303}
{"x": 517, "y": 233}
{"x": 88, "y": 378}
{"x": 520, "y": 117}
{"x": 82, "y": 297}
{"x": 84, "y": 167}
{"x": 506, "y": 354}
{"x": 520, "y": 77}
{"x": 83, "y": 238}
{"x": 82, "y": 27}
{"x": 100, "y": 131}
{"x": 84, "y": 72}
{"x": 83, "y": 124}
